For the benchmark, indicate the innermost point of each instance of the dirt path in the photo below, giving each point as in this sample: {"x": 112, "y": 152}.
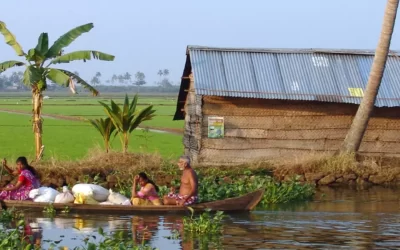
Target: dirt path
{"x": 70, "y": 118}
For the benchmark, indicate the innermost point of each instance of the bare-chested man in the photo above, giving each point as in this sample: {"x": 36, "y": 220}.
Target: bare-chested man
{"x": 188, "y": 190}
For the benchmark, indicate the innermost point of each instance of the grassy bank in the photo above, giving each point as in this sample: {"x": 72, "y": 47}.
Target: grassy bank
{"x": 324, "y": 169}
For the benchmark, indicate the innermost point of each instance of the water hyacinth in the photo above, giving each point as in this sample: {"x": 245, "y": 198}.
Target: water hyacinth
{"x": 205, "y": 223}
{"x": 211, "y": 189}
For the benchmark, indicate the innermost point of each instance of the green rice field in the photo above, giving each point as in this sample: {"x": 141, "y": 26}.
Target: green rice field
{"x": 70, "y": 139}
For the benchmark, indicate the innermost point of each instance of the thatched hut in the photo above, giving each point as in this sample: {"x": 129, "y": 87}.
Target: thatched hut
{"x": 241, "y": 105}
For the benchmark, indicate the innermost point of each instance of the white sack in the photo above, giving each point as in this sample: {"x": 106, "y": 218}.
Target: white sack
{"x": 99, "y": 193}
{"x": 46, "y": 194}
{"x": 65, "y": 197}
{"x": 117, "y": 198}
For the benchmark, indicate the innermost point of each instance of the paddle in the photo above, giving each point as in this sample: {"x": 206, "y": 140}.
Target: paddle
{"x": 38, "y": 158}
{"x": 2, "y": 168}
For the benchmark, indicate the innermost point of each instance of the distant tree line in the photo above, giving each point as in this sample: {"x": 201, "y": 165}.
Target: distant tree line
{"x": 117, "y": 83}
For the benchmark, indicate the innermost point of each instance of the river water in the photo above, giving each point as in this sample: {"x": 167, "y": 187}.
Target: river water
{"x": 337, "y": 219}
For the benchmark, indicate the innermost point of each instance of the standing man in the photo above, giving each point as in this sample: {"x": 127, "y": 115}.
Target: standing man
{"x": 189, "y": 184}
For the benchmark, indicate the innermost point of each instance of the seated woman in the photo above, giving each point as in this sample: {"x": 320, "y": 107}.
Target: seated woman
{"x": 148, "y": 191}
{"x": 27, "y": 180}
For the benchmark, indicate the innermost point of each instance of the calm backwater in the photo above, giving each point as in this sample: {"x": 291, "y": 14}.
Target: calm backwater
{"x": 337, "y": 219}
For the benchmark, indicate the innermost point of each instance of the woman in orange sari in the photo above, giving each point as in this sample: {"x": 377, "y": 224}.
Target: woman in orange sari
{"x": 148, "y": 191}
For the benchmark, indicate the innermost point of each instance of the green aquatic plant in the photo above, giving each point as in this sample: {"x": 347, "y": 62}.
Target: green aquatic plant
{"x": 204, "y": 223}
{"x": 206, "y": 229}
{"x": 15, "y": 238}
{"x": 66, "y": 210}
{"x": 8, "y": 215}
{"x": 211, "y": 189}
{"x": 49, "y": 210}
{"x": 117, "y": 240}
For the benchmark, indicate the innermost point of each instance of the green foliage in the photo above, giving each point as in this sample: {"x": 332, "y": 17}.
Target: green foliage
{"x": 80, "y": 81}
{"x": 50, "y": 210}
{"x": 9, "y": 64}
{"x": 87, "y": 179}
{"x": 43, "y": 43}
{"x": 211, "y": 189}
{"x": 145, "y": 136}
{"x": 207, "y": 229}
{"x": 66, "y": 210}
{"x": 126, "y": 118}
{"x": 216, "y": 184}
{"x": 8, "y": 215}
{"x": 83, "y": 56}
{"x": 58, "y": 77}
{"x": 106, "y": 128}
{"x": 15, "y": 238}
{"x": 36, "y": 73}
{"x": 10, "y": 39}
{"x": 205, "y": 223}
{"x": 67, "y": 39}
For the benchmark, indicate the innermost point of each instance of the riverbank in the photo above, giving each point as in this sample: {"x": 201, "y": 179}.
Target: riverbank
{"x": 117, "y": 169}
{"x": 344, "y": 170}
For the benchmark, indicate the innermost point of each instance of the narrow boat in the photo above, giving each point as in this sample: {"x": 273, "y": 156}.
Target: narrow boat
{"x": 243, "y": 203}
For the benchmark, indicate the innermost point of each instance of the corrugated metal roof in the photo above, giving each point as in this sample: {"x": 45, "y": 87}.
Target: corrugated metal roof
{"x": 291, "y": 74}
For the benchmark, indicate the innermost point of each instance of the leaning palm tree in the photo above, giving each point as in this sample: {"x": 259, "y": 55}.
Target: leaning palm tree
{"x": 127, "y": 118}
{"x": 37, "y": 63}
{"x": 355, "y": 135}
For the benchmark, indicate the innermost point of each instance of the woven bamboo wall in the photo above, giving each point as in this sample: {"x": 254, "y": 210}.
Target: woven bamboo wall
{"x": 265, "y": 129}
{"x": 193, "y": 123}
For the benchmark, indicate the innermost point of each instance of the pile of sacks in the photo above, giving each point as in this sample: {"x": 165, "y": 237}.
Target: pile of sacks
{"x": 81, "y": 194}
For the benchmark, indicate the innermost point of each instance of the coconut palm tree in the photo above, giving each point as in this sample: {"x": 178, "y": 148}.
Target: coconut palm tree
{"x": 356, "y": 132}
{"x": 127, "y": 118}
{"x": 166, "y": 72}
{"x": 106, "y": 129}
{"x": 37, "y": 63}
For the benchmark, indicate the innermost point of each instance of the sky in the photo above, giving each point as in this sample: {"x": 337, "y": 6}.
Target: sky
{"x": 151, "y": 35}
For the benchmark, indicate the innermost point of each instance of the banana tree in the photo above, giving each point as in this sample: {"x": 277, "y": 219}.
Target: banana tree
{"x": 127, "y": 118}
{"x": 106, "y": 129}
{"x": 38, "y": 71}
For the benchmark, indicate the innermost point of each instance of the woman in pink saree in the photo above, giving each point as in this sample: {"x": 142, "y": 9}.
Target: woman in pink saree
{"x": 27, "y": 180}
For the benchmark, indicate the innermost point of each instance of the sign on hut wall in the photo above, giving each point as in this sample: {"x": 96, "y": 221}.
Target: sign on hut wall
{"x": 216, "y": 127}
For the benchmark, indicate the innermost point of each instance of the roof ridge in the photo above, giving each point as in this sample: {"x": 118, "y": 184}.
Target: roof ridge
{"x": 289, "y": 50}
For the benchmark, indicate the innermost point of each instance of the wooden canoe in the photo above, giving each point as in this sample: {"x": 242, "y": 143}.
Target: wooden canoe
{"x": 246, "y": 202}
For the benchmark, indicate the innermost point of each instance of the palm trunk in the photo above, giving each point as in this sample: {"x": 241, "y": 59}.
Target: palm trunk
{"x": 356, "y": 132}
{"x": 107, "y": 145}
{"x": 125, "y": 142}
{"x": 37, "y": 101}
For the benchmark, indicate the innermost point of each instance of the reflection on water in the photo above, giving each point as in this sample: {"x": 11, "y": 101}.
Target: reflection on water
{"x": 338, "y": 218}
